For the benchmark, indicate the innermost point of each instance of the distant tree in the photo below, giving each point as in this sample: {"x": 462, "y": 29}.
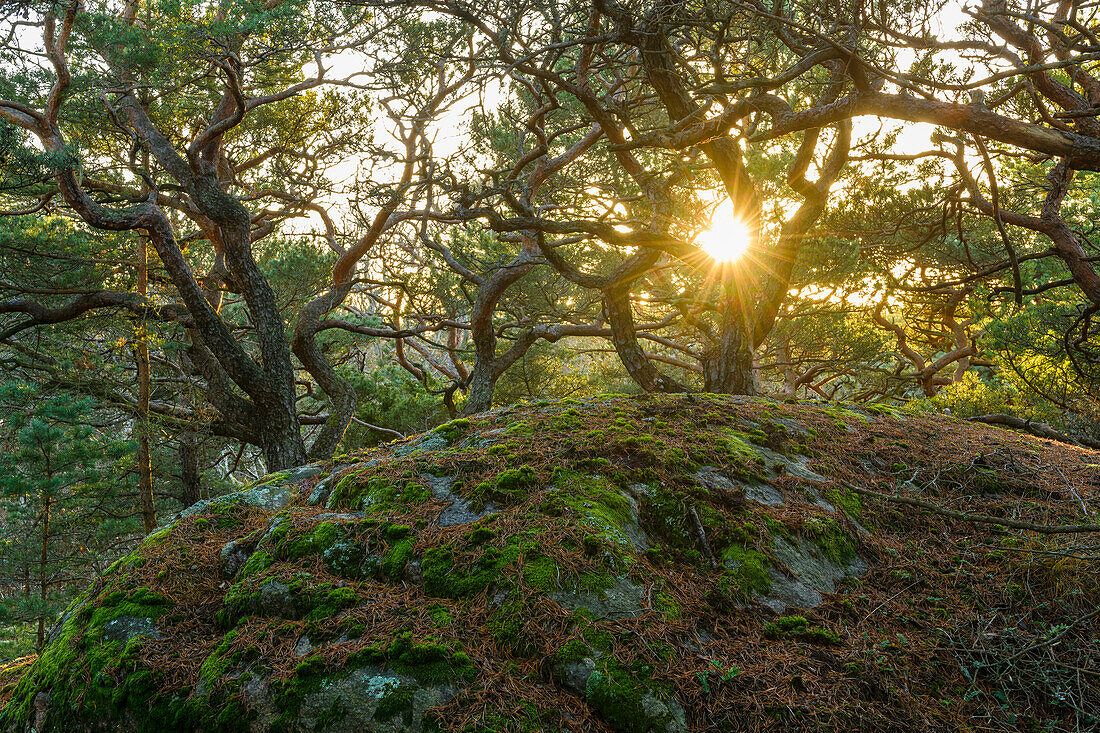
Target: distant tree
{"x": 67, "y": 493}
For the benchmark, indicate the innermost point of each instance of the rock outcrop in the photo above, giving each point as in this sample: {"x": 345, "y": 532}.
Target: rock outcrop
{"x": 666, "y": 563}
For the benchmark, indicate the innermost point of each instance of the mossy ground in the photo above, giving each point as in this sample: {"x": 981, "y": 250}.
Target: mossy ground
{"x": 590, "y": 496}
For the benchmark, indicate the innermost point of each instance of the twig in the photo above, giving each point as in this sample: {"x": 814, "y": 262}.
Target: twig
{"x": 702, "y": 536}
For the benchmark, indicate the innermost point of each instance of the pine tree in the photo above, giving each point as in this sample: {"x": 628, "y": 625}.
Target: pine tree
{"x": 63, "y": 487}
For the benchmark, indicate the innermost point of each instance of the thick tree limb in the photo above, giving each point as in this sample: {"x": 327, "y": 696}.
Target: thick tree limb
{"x": 977, "y": 518}
{"x": 1038, "y": 429}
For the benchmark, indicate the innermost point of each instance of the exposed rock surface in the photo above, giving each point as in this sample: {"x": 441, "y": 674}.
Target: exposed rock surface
{"x": 651, "y": 564}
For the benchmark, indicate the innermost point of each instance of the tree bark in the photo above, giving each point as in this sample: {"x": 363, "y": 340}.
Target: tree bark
{"x": 728, "y": 366}
{"x": 624, "y": 336}
{"x": 483, "y": 377}
{"x": 141, "y": 350}
{"x": 190, "y": 473}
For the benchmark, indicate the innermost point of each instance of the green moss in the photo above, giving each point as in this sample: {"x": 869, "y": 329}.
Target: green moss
{"x": 748, "y": 568}
{"x": 130, "y": 560}
{"x": 349, "y": 559}
{"x": 667, "y": 606}
{"x": 830, "y": 537}
{"x": 396, "y": 532}
{"x": 619, "y": 694}
{"x": 139, "y": 603}
{"x": 507, "y": 625}
{"x": 453, "y": 430}
{"x": 540, "y": 572}
{"x": 518, "y": 428}
{"x": 280, "y": 529}
{"x": 847, "y": 500}
{"x": 215, "y": 666}
{"x": 227, "y": 512}
{"x": 258, "y": 562}
{"x": 510, "y": 485}
{"x": 798, "y": 627}
{"x": 309, "y": 677}
{"x": 574, "y": 650}
{"x": 397, "y": 702}
{"x": 480, "y": 536}
{"x": 843, "y": 414}
{"x": 158, "y": 537}
{"x": 319, "y": 539}
{"x": 439, "y": 615}
{"x": 664, "y": 514}
{"x": 427, "y": 662}
{"x": 396, "y": 558}
{"x": 92, "y": 678}
{"x": 597, "y": 502}
{"x": 882, "y": 408}
{"x": 331, "y": 602}
{"x": 442, "y": 579}
{"x": 379, "y": 493}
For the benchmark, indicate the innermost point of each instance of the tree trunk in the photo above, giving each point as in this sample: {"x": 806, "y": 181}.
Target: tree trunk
{"x": 280, "y": 432}
{"x": 43, "y": 579}
{"x": 341, "y": 394}
{"x": 728, "y": 366}
{"x": 280, "y": 439}
{"x": 190, "y": 475}
{"x": 141, "y": 350}
{"x": 624, "y": 337}
{"x": 483, "y": 377}
{"x": 482, "y": 386}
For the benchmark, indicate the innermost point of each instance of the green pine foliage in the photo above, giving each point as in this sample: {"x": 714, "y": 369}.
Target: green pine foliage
{"x": 64, "y": 508}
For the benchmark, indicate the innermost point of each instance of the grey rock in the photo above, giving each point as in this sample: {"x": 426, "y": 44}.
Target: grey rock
{"x": 303, "y": 473}
{"x": 303, "y": 647}
{"x": 574, "y": 676}
{"x": 260, "y": 698}
{"x": 429, "y": 442}
{"x": 764, "y": 494}
{"x": 125, "y": 628}
{"x": 339, "y": 517}
{"x": 459, "y": 511}
{"x": 273, "y": 525}
{"x": 234, "y": 555}
{"x": 323, "y": 490}
{"x": 790, "y": 592}
{"x": 318, "y": 496}
{"x": 670, "y": 715}
{"x": 656, "y": 714}
{"x": 271, "y": 497}
{"x": 813, "y": 574}
{"x": 622, "y": 600}
{"x": 358, "y": 697}
{"x": 709, "y": 478}
{"x": 55, "y": 630}
{"x": 276, "y": 600}
{"x": 797, "y": 466}
{"x": 629, "y": 534}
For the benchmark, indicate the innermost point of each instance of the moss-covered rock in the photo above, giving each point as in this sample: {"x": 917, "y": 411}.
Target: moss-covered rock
{"x": 598, "y": 564}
